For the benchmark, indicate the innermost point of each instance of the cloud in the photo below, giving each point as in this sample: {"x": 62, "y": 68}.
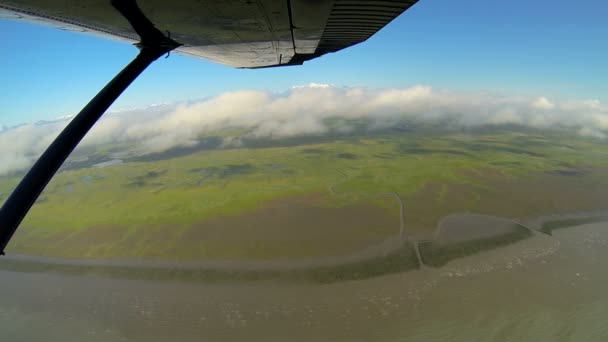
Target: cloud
{"x": 20, "y": 146}
{"x": 543, "y": 103}
{"x": 593, "y": 133}
{"x": 313, "y": 85}
{"x": 304, "y": 110}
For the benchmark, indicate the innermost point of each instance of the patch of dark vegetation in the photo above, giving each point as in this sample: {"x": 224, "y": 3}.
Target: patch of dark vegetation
{"x": 226, "y": 170}
{"x": 408, "y": 149}
{"x": 544, "y": 141}
{"x": 346, "y": 156}
{"x": 566, "y": 165}
{"x": 498, "y": 148}
{"x": 498, "y": 129}
{"x": 154, "y": 174}
{"x": 233, "y": 170}
{"x": 567, "y": 173}
{"x": 138, "y": 183}
{"x": 384, "y": 156}
{"x": 438, "y": 254}
{"x": 527, "y": 142}
{"x": 143, "y": 180}
{"x": 549, "y": 227}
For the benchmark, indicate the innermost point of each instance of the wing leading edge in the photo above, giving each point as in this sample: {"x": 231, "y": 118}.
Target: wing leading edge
{"x": 238, "y": 33}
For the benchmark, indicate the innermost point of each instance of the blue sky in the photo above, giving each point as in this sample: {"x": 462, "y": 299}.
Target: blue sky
{"x": 547, "y": 48}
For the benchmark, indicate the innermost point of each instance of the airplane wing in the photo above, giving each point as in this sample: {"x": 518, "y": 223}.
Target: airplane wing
{"x": 238, "y": 33}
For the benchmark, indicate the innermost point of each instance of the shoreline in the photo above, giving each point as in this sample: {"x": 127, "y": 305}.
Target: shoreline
{"x": 394, "y": 254}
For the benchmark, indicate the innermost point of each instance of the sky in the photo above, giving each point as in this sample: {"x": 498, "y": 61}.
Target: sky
{"x": 555, "y": 50}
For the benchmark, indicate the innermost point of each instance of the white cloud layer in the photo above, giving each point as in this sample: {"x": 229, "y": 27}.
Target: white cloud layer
{"x": 304, "y": 110}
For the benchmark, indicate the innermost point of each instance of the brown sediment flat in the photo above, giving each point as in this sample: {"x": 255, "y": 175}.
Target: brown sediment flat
{"x": 293, "y": 228}
{"x": 334, "y": 244}
{"x": 466, "y": 227}
{"x": 99, "y": 240}
{"x": 98, "y": 234}
{"x": 433, "y": 201}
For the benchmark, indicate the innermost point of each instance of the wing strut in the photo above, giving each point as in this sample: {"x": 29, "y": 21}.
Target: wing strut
{"x": 152, "y": 45}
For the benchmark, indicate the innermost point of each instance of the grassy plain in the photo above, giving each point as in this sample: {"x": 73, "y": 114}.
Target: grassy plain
{"x": 308, "y": 197}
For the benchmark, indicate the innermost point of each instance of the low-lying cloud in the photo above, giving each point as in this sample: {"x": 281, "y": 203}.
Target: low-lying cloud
{"x": 304, "y": 110}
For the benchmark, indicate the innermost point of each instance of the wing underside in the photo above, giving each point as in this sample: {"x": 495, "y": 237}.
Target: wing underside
{"x": 238, "y": 33}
